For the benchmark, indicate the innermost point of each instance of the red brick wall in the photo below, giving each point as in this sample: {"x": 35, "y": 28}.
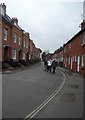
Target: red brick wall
{"x": 76, "y": 50}
{"x": 16, "y": 45}
{"x": 6, "y": 42}
{"x": 25, "y": 49}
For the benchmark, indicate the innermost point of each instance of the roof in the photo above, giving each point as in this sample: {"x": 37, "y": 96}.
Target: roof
{"x": 7, "y": 19}
{"x": 82, "y": 30}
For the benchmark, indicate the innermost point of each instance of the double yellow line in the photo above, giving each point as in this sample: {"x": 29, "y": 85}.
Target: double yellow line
{"x": 32, "y": 114}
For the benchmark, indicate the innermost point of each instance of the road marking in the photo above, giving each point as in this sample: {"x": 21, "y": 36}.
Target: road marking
{"x": 32, "y": 114}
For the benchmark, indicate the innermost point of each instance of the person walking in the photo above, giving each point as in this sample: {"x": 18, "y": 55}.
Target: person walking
{"x": 54, "y": 65}
{"x": 49, "y": 63}
{"x": 45, "y": 64}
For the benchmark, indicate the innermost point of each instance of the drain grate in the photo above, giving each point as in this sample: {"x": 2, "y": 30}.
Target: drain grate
{"x": 68, "y": 97}
{"x": 73, "y": 86}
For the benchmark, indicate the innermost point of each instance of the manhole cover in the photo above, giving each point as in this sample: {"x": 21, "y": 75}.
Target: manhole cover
{"x": 68, "y": 97}
{"x": 74, "y": 86}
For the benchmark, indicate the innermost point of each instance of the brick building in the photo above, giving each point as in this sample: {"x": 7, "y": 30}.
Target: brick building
{"x": 58, "y": 56}
{"x": 34, "y": 52}
{"x": 74, "y": 52}
{"x": 16, "y": 43}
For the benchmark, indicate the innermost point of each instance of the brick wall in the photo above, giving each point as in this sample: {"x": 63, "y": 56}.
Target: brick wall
{"x": 76, "y": 51}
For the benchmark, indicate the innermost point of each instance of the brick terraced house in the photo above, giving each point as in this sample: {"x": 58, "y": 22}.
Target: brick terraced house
{"x": 74, "y": 52}
{"x": 16, "y": 43}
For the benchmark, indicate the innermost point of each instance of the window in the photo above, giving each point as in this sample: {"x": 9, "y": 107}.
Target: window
{"x": 83, "y": 60}
{"x": 27, "y": 45}
{"x": 64, "y": 60}
{"x": 5, "y": 33}
{"x": 84, "y": 38}
{"x": 23, "y": 55}
{"x": 69, "y": 61}
{"x": 24, "y": 43}
{"x": 19, "y": 40}
{"x": 73, "y": 58}
{"x": 15, "y": 37}
{"x": 69, "y": 46}
{"x": 14, "y": 54}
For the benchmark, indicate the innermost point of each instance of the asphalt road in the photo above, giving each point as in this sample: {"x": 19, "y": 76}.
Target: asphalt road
{"x": 23, "y": 91}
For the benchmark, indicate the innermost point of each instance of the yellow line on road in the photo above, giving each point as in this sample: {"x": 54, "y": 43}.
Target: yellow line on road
{"x": 32, "y": 114}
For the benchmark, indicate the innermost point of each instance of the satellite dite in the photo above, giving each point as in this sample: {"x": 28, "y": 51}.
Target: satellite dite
{"x": 84, "y": 11}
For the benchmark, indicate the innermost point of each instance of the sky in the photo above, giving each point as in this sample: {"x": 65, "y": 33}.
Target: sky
{"x": 51, "y": 23}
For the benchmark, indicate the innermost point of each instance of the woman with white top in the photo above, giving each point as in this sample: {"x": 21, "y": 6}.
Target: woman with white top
{"x": 49, "y": 65}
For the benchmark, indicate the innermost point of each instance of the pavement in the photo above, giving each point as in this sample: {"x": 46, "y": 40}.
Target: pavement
{"x": 68, "y": 103}
{"x": 17, "y": 69}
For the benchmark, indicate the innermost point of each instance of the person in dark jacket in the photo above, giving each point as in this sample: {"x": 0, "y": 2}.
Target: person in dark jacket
{"x": 54, "y": 65}
{"x": 45, "y": 64}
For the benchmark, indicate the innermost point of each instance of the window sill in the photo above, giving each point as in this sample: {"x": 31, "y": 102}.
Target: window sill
{"x": 14, "y": 58}
{"x": 5, "y": 39}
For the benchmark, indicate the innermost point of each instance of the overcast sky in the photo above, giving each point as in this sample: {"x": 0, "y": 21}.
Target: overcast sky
{"x": 49, "y": 22}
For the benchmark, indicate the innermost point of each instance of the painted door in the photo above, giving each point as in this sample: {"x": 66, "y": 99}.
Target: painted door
{"x": 78, "y": 63}
{"x": 71, "y": 62}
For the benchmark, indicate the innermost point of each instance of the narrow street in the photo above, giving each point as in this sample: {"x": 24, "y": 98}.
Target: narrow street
{"x": 24, "y": 91}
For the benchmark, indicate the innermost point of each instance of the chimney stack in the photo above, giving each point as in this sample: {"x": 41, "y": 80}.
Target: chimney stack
{"x": 83, "y": 23}
{"x": 15, "y": 20}
{"x": 28, "y": 34}
{"x": 3, "y": 9}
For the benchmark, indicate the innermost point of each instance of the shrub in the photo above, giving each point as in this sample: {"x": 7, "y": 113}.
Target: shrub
{"x": 14, "y": 64}
{"x": 6, "y": 61}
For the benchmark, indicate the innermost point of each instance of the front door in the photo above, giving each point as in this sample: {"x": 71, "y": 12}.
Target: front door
{"x": 78, "y": 63}
{"x": 71, "y": 63}
{"x": 5, "y": 53}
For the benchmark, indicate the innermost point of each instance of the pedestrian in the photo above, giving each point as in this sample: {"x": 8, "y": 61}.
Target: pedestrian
{"x": 45, "y": 64}
{"x": 49, "y": 63}
{"x": 54, "y": 65}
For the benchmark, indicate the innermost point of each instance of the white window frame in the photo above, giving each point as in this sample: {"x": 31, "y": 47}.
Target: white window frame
{"x": 19, "y": 40}
{"x": 14, "y": 53}
{"x": 64, "y": 60}
{"x": 5, "y": 33}
{"x": 15, "y": 37}
{"x": 24, "y": 43}
{"x": 69, "y": 46}
{"x": 83, "y": 57}
{"x": 27, "y": 45}
{"x": 69, "y": 61}
{"x": 83, "y": 38}
{"x": 73, "y": 58}
{"x": 23, "y": 55}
